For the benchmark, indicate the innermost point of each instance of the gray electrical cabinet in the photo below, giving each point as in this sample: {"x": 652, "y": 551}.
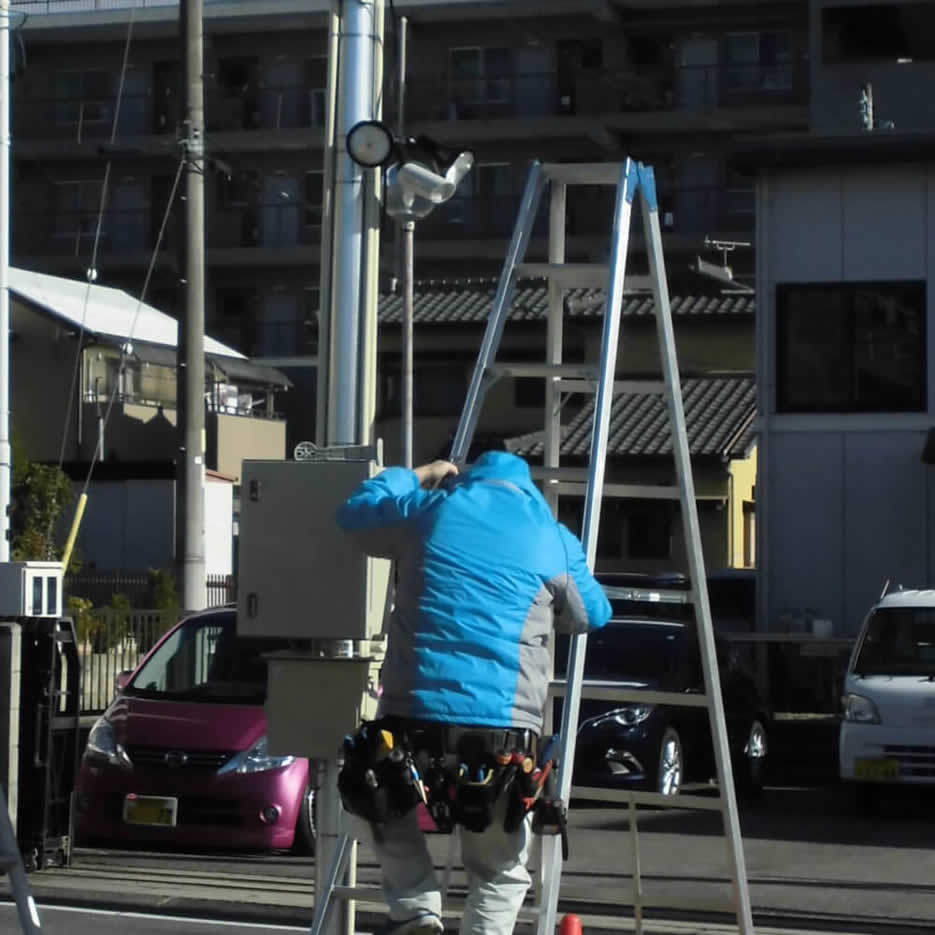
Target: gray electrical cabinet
{"x": 300, "y": 575}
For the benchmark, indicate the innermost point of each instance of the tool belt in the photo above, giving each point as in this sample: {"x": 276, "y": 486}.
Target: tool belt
{"x": 459, "y": 772}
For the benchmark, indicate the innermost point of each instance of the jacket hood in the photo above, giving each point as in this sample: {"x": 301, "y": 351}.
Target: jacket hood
{"x": 501, "y": 465}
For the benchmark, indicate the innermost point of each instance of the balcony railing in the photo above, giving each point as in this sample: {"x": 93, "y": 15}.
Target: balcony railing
{"x": 265, "y": 224}
{"x": 279, "y": 107}
{"x": 73, "y": 232}
{"x": 39, "y": 7}
{"x": 81, "y": 118}
{"x": 590, "y": 212}
{"x": 604, "y": 91}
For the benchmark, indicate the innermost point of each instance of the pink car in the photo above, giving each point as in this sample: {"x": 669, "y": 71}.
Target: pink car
{"x": 179, "y": 758}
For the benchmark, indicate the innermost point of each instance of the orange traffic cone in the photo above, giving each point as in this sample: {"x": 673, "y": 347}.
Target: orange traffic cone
{"x": 570, "y": 925}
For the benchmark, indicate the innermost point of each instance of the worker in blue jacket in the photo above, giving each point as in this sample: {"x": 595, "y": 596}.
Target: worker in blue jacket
{"x": 483, "y": 573}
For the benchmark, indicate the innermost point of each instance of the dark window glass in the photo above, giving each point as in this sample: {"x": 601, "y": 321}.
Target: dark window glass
{"x": 899, "y": 641}
{"x": 851, "y": 347}
{"x": 438, "y": 389}
{"x": 878, "y": 33}
{"x": 649, "y": 532}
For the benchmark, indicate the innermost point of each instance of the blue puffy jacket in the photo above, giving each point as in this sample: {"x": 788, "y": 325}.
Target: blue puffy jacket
{"x": 483, "y": 570}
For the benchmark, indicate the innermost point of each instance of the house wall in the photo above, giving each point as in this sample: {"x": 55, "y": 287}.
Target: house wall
{"x": 232, "y": 438}
{"x": 129, "y": 525}
{"x": 42, "y": 362}
{"x": 844, "y": 501}
{"x": 219, "y": 527}
{"x": 742, "y": 484}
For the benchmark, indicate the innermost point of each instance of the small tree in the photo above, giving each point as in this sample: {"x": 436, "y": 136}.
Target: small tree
{"x": 39, "y": 495}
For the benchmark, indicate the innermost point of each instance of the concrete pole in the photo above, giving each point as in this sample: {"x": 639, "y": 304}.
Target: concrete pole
{"x": 5, "y": 453}
{"x": 191, "y": 350}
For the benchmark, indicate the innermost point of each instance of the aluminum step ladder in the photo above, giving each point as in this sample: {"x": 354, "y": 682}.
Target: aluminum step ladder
{"x": 632, "y": 180}
{"x": 11, "y": 863}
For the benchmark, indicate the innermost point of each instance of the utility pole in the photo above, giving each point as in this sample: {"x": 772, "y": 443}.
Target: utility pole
{"x": 5, "y": 453}
{"x": 190, "y": 511}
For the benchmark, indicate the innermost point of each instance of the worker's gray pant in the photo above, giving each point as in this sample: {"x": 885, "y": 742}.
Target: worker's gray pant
{"x": 495, "y": 862}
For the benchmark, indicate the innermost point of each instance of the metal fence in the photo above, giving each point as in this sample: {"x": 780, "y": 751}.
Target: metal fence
{"x": 112, "y": 640}
{"x": 99, "y": 587}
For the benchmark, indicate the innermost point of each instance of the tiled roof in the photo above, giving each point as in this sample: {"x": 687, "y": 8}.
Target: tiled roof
{"x": 468, "y": 301}
{"x": 719, "y": 418}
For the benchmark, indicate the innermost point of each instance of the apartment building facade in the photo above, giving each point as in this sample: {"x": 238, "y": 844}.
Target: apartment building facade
{"x": 679, "y": 85}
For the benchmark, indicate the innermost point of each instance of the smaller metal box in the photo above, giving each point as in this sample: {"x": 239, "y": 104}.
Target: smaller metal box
{"x": 30, "y": 589}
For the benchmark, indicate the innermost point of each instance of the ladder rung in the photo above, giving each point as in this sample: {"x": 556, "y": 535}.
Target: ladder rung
{"x": 579, "y": 378}
{"x": 615, "y": 491}
{"x": 589, "y": 372}
{"x": 633, "y": 387}
{"x": 649, "y": 595}
{"x": 568, "y": 275}
{"x": 596, "y": 794}
{"x": 614, "y": 691}
{"x": 576, "y": 478}
{"x": 588, "y": 173}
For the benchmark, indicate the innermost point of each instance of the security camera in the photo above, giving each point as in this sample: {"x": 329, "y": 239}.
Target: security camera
{"x": 423, "y": 181}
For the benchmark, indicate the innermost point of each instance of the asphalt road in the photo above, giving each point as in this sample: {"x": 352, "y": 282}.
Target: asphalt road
{"x": 80, "y": 921}
{"x": 810, "y": 860}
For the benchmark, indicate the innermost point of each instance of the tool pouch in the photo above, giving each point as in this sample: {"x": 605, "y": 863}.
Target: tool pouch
{"x": 375, "y": 783}
{"x": 474, "y": 802}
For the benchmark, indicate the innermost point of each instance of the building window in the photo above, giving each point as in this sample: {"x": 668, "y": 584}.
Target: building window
{"x": 278, "y": 328}
{"x": 649, "y": 533}
{"x": 316, "y": 81}
{"x": 851, "y": 347}
{"x": 76, "y": 206}
{"x": 84, "y": 97}
{"x": 235, "y": 307}
{"x": 891, "y": 32}
{"x": 438, "y": 388}
{"x": 479, "y": 76}
{"x": 610, "y": 531}
{"x": 237, "y": 190}
{"x": 759, "y": 61}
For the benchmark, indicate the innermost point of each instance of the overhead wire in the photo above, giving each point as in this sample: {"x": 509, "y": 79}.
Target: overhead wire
{"x": 91, "y": 275}
{"x": 126, "y": 346}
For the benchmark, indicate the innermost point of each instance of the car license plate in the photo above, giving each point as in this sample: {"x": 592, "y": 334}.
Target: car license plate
{"x": 150, "y": 810}
{"x": 876, "y": 768}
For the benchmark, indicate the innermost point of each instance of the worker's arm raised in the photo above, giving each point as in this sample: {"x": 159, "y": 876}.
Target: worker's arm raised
{"x": 580, "y": 602}
{"x": 377, "y": 510}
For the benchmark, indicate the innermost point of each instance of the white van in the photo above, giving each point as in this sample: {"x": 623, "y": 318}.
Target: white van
{"x": 888, "y": 724}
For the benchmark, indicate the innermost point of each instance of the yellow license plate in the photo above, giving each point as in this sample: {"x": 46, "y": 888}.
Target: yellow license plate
{"x": 868, "y": 768}
{"x": 150, "y": 810}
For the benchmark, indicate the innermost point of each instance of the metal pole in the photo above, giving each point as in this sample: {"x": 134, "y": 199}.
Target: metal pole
{"x": 191, "y": 354}
{"x": 407, "y": 232}
{"x": 409, "y": 228}
{"x": 5, "y": 454}
{"x": 355, "y": 94}
{"x": 325, "y": 305}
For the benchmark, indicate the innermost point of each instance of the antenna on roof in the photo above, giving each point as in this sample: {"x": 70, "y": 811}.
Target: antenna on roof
{"x": 886, "y": 587}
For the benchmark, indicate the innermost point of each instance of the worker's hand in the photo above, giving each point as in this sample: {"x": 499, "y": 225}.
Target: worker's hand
{"x": 432, "y": 474}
